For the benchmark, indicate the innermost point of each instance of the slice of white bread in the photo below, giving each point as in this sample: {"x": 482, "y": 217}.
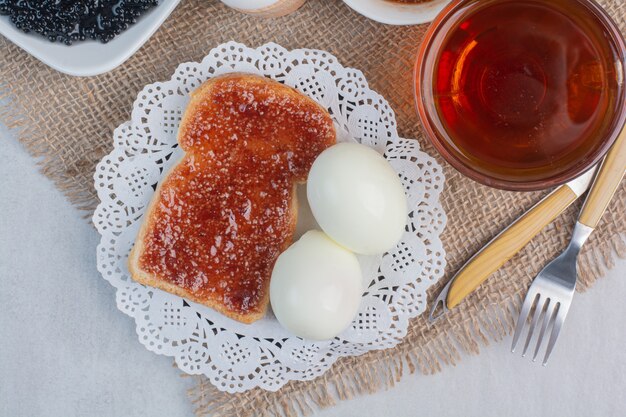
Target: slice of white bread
{"x": 220, "y": 218}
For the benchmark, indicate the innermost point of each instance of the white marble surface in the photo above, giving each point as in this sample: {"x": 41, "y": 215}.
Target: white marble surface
{"x": 65, "y": 350}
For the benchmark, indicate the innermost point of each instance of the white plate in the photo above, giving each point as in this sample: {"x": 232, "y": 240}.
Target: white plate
{"x": 235, "y": 356}
{"x": 90, "y": 57}
{"x": 385, "y": 11}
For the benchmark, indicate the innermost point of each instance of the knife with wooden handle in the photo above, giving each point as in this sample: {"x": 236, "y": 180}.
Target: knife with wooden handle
{"x": 506, "y": 244}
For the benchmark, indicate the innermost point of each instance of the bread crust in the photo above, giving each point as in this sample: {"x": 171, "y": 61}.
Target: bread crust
{"x": 150, "y": 279}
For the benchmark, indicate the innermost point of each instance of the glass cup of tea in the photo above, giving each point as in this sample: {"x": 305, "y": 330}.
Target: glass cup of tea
{"x": 522, "y": 94}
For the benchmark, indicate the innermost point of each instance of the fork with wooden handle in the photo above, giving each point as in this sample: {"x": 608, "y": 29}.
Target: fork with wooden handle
{"x": 551, "y": 293}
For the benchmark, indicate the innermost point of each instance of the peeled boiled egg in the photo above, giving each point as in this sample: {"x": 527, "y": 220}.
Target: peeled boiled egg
{"x": 357, "y": 198}
{"x": 316, "y": 287}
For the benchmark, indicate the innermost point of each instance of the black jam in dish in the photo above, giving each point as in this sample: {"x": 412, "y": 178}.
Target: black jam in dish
{"x": 75, "y": 20}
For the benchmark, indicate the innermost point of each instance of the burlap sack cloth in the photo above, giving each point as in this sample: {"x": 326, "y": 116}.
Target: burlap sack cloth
{"x": 67, "y": 122}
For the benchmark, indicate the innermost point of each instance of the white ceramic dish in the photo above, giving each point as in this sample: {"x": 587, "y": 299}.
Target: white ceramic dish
{"x": 90, "y": 57}
{"x": 392, "y": 13}
{"x": 237, "y": 357}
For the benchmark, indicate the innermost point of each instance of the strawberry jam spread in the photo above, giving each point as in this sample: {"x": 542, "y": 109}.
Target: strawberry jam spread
{"x": 227, "y": 209}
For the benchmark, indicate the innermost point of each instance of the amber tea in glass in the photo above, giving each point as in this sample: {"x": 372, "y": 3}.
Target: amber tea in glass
{"x": 521, "y": 91}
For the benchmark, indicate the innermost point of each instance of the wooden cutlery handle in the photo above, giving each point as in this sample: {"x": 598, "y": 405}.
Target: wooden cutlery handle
{"x": 508, "y": 243}
{"x": 606, "y": 183}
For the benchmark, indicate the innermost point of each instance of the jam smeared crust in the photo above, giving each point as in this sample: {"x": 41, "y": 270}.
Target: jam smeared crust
{"x": 226, "y": 211}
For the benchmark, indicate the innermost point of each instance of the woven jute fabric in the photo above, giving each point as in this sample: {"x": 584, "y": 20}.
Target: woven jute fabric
{"x": 67, "y": 123}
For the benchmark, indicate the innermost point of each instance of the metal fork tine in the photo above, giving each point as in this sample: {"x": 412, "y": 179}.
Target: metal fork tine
{"x": 551, "y": 292}
{"x": 539, "y": 305}
{"x": 558, "y": 323}
{"x": 523, "y": 316}
{"x": 547, "y": 318}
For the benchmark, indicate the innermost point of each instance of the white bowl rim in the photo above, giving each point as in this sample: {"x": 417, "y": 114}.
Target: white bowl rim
{"x": 388, "y": 12}
{"x": 71, "y": 60}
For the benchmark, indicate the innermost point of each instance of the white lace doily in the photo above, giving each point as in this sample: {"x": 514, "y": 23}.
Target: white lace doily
{"x": 234, "y": 356}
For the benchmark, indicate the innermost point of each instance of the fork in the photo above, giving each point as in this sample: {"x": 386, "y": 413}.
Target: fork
{"x": 550, "y": 295}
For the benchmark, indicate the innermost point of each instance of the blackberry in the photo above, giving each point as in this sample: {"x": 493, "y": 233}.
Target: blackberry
{"x": 74, "y": 20}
